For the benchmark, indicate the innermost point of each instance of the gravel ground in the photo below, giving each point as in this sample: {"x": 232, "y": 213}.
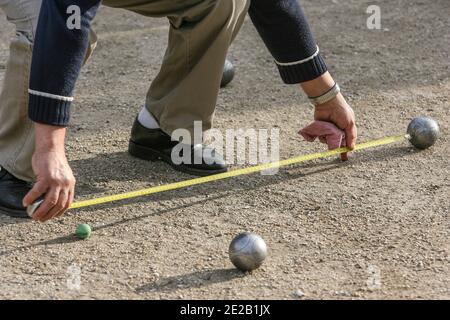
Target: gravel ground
{"x": 374, "y": 227}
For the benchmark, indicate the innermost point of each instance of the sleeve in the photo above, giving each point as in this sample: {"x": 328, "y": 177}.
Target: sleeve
{"x": 284, "y": 29}
{"x": 58, "y": 55}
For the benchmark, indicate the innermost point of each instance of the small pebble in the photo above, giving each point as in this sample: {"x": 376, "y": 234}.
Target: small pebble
{"x": 299, "y": 293}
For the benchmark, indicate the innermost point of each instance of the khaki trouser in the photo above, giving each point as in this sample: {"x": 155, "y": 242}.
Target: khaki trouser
{"x": 201, "y": 31}
{"x": 184, "y": 91}
{"x": 16, "y": 129}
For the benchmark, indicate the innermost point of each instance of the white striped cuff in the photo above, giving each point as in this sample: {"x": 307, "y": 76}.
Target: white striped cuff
{"x": 50, "y": 96}
{"x": 287, "y": 64}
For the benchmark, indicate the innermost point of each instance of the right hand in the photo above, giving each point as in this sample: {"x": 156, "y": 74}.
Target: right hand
{"x": 338, "y": 111}
{"x": 54, "y": 178}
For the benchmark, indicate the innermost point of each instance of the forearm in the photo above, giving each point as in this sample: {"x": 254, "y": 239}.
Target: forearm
{"x": 58, "y": 55}
{"x": 284, "y": 28}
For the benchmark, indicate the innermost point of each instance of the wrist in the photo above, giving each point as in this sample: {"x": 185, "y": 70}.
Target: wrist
{"x": 49, "y": 138}
{"x": 330, "y": 95}
{"x": 318, "y": 86}
{"x": 336, "y": 101}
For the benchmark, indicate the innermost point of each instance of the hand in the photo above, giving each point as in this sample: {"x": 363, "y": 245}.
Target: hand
{"x": 54, "y": 178}
{"x": 336, "y": 111}
{"x": 341, "y": 114}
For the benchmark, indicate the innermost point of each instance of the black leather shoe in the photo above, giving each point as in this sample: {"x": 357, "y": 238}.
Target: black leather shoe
{"x": 154, "y": 144}
{"x": 12, "y": 192}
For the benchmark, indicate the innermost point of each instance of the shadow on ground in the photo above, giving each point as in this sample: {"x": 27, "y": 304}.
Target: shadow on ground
{"x": 73, "y": 238}
{"x": 191, "y": 280}
{"x": 128, "y": 173}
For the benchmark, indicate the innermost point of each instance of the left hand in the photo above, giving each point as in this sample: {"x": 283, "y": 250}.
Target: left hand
{"x": 338, "y": 111}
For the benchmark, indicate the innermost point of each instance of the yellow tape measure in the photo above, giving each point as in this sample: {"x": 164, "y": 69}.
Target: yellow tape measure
{"x": 234, "y": 173}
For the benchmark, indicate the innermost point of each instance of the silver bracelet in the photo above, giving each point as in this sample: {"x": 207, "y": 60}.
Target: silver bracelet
{"x": 328, "y": 96}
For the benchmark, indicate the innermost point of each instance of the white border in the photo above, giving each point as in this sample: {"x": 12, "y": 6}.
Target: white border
{"x": 49, "y": 95}
{"x": 285, "y": 64}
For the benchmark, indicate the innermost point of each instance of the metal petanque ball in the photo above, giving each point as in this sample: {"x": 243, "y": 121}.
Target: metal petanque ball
{"x": 228, "y": 73}
{"x": 32, "y": 208}
{"x": 247, "y": 251}
{"x": 423, "y": 132}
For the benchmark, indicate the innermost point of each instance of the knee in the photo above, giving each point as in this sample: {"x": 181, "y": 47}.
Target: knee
{"x": 241, "y": 6}
{"x": 24, "y": 14}
{"x": 234, "y": 9}
{"x": 229, "y": 12}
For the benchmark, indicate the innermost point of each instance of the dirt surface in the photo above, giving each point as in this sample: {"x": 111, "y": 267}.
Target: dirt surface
{"x": 332, "y": 228}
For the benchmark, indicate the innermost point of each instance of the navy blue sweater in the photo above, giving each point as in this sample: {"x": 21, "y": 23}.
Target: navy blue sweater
{"x": 59, "y": 52}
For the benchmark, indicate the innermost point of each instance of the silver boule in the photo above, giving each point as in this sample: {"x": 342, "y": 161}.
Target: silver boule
{"x": 31, "y": 209}
{"x": 423, "y": 132}
{"x": 228, "y": 73}
{"x": 247, "y": 251}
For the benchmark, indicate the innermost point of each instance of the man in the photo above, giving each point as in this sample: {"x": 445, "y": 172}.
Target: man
{"x": 184, "y": 91}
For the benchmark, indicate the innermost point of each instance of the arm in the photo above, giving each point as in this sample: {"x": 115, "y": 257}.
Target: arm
{"x": 284, "y": 28}
{"x": 58, "y": 55}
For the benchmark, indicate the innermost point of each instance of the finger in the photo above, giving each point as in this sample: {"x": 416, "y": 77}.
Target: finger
{"x": 50, "y": 200}
{"x": 61, "y": 207}
{"x": 71, "y": 196}
{"x": 351, "y": 135}
{"x": 35, "y": 193}
{"x": 66, "y": 203}
{"x": 344, "y": 156}
{"x": 70, "y": 199}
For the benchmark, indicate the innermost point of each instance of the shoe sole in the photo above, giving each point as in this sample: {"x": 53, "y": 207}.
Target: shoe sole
{"x": 13, "y": 213}
{"x": 150, "y": 154}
